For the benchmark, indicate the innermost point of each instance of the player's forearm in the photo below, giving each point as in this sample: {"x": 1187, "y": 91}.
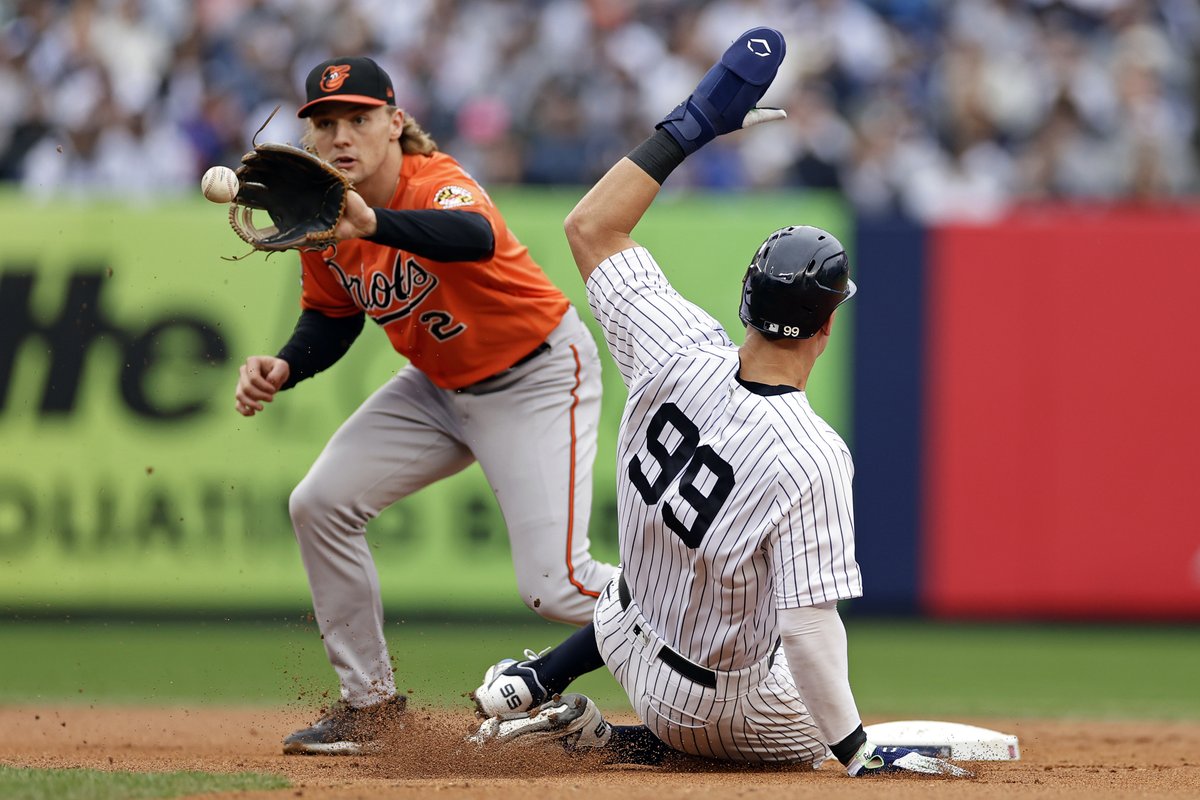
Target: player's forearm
{"x": 317, "y": 343}
{"x": 436, "y": 234}
{"x": 601, "y": 223}
{"x": 814, "y": 641}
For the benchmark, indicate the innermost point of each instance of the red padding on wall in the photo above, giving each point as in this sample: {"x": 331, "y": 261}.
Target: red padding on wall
{"x": 1063, "y": 417}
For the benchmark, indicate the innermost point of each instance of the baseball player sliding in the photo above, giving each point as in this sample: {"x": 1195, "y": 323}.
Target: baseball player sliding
{"x": 734, "y": 497}
{"x": 502, "y": 371}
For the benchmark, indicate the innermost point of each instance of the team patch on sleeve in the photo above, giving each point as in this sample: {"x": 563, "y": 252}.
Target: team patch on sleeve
{"x": 453, "y": 197}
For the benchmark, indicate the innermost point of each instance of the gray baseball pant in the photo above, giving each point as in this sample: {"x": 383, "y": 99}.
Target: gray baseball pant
{"x": 533, "y": 432}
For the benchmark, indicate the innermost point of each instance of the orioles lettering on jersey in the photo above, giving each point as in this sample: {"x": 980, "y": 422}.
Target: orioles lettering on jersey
{"x": 396, "y": 296}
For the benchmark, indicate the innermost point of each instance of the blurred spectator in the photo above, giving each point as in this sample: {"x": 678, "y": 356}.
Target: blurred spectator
{"x": 936, "y": 109}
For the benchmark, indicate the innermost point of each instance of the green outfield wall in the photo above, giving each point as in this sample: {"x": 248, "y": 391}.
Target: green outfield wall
{"x": 127, "y": 481}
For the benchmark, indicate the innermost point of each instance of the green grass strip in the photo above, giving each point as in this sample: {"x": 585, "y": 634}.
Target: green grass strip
{"x": 898, "y": 668}
{"x": 1025, "y": 670}
{"x": 89, "y": 784}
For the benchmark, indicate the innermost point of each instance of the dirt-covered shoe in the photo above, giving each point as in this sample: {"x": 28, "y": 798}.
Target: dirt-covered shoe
{"x": 344, "y": 730}
{"x": 572, "y": 722}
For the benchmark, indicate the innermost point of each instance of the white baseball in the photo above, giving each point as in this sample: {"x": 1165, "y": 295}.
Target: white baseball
{"x": 219, "y": 184}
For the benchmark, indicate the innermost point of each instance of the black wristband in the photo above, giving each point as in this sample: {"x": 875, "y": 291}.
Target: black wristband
{"x": 846, "y": 748}
{"x": 658, "y": 155}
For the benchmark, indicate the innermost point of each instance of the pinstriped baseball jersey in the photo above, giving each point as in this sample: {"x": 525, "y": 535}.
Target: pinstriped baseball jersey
{"x": 731, "y": 503}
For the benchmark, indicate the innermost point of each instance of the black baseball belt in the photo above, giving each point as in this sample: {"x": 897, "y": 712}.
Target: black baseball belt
{"x": 692, "y": 671}
{"x": 530, "y": 356}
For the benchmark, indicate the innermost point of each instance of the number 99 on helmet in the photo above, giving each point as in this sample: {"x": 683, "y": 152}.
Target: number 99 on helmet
{"x": 799, "y": 275}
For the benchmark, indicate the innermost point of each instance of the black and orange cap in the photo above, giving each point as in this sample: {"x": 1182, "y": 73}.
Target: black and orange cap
{"x": 347, "y": 79}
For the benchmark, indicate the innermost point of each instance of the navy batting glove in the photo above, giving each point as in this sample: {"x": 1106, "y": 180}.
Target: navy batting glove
{"x": 872, "y": 760}
{"x": 725, "y": 98}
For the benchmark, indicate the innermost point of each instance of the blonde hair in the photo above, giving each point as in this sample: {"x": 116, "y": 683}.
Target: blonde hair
{"x": 413, "y": 138}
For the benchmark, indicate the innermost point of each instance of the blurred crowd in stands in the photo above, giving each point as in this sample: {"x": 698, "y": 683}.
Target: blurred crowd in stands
{"x": 934, "y": 109}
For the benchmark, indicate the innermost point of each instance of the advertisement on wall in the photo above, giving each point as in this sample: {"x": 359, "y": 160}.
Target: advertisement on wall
{"x": 128, "y": 480}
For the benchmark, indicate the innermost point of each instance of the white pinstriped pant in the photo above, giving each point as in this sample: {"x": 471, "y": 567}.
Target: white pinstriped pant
{"x": 754, "y": 714}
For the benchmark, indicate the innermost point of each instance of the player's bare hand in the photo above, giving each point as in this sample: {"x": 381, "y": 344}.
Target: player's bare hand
{"x": 357, "y": 221}
{"x": 258, "y": 381}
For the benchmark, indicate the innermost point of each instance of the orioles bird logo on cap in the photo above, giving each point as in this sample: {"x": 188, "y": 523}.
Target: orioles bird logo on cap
{"x": 334, "y": 76}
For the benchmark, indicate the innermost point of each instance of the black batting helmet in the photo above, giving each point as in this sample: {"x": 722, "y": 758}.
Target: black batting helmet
{"x": 799, "y": 275}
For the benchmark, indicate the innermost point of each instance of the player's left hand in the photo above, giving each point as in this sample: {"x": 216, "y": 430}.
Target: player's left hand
{"x": 304, "y": 196}
{"x": 357, "y": 221}
{"x": 872, "y": 760}
{"x": 725, "y": 99}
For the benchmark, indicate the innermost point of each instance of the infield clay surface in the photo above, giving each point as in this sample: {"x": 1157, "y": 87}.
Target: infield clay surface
{"x": 1059, "y": 759}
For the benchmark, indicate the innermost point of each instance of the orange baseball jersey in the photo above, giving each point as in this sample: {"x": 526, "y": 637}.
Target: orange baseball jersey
{"x": 458, "y": 322}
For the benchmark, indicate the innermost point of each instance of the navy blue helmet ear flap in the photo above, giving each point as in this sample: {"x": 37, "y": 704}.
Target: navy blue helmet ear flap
{"x": 798, "y": 276}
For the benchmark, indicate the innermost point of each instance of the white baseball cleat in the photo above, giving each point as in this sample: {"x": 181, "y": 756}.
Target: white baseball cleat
{"x": 571, "y": 721}
{"x": 510, "y": 686}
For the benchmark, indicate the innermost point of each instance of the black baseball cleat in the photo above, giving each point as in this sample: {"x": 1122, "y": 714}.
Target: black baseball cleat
{"x": 347, "y": 731}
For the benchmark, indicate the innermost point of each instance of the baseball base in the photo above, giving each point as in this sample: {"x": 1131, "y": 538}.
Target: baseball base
{"x": 951, "y": 740}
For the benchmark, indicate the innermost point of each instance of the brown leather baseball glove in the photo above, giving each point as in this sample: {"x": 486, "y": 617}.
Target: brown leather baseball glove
{"x": 304, "y": 196}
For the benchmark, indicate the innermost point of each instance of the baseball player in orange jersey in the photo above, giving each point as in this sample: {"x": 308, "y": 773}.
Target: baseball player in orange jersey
{"x": 734, "y": 498}
{"x": 502, "y": 371}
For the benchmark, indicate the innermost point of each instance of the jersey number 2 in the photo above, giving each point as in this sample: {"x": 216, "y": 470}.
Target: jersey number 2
{"x": 441, "y": 325}
{"x": 688, "y": 457}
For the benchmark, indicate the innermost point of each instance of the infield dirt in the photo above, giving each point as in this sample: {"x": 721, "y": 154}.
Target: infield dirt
{"x": 1060, "y": 759}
